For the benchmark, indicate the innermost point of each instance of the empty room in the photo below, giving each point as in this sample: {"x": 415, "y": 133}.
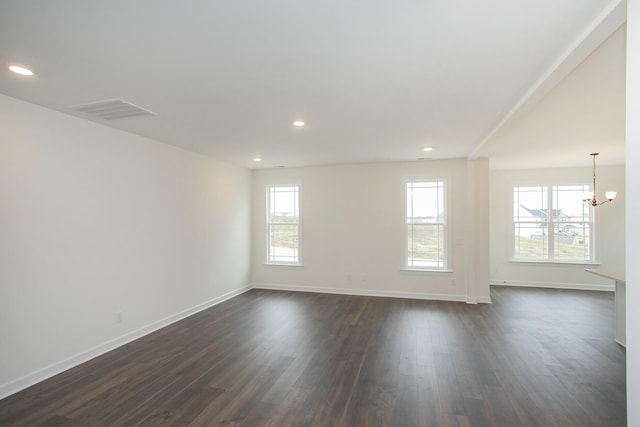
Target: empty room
{"x": 337, "y": 213}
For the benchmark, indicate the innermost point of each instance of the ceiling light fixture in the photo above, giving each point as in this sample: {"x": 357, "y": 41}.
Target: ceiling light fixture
{"x": 257, "y": 159}
{"x": 21, "y": 70}
{"x": 427, "y": 149}
{"x": 590, "y": 197}
{"x": 298, "y": 123}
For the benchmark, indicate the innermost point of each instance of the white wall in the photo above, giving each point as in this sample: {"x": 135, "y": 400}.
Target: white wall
{"x": 609, "y": 230}
{"x": 94, "y": 221}
{"x": 353, "y": 230}
{"x": 633, "y": 207}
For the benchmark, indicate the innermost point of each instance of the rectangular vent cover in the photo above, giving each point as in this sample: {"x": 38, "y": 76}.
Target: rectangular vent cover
{"x": 112, "y": 109}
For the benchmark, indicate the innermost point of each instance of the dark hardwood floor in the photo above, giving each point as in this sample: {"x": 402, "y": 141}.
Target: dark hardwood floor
{"x": 268, "y": 358}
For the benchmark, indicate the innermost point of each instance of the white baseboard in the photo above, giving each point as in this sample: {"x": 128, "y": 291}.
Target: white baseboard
{"x": 372, "y": 293}
{"x": 555, "y": 285}
{"x": 28, "y": 380}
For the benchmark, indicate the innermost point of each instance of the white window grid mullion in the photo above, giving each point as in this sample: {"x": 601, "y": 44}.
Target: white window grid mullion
{"x": 550, "y": 224}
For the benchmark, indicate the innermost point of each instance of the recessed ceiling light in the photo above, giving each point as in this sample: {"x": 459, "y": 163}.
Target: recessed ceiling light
{"x": 298, "y": 123}
{"x": 21, "y": 70}
{"x": 257, "y": 159}
{"x": 427, "y": 148}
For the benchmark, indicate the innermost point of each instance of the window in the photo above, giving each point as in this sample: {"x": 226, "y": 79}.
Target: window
{"x": 426, "y": 225}
{"x": 283, "y": 224}
{"x": 552, "y": 223}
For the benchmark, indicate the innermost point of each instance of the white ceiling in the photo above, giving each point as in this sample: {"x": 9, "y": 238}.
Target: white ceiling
{"x": 374, "y": 80}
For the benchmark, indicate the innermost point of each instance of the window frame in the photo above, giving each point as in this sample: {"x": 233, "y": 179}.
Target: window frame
{"x": 269, "y": 259}
{"x": 551, "y": 257}
{"x": 444, "y": 252}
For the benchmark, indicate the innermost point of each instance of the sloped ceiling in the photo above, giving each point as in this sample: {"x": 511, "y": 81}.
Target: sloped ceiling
{"x": 374, "y": 81}
{"x": 584, "y": 113}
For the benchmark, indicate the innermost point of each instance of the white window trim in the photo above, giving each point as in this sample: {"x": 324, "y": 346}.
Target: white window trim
{"x": 591, "y": 261}
{"x": 447, "y": 234}
{"x": 425, "y": 270}
{"x": 285, "y": 264}
{"x": 561, "y": 262}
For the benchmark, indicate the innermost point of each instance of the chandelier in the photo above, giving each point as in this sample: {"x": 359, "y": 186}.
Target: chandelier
{"x": 590, "y": 197}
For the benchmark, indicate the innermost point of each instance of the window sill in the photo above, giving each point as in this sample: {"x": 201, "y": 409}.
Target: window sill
{"x": 425, "y": 270}
{"x": 282, "y": 264}
{"x": 550, "y": 262}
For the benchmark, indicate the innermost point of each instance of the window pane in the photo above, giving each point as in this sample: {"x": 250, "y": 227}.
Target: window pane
{"x": 530, "y": 216}
{"x": 426, "y": 229}
{"x": 572, "y": 223}
{"x": 425, "y": 202}
{"x": 530, "y": 204}
{"x": 568, "y": 203}
{"x": 530, "y": 240}
{"x": 283, "y": 242}
{"x": 284, "y": 205}
{"x": 283, "y": 229}
{"x": 426, "y": 245}
{"x": 571, "y": 242}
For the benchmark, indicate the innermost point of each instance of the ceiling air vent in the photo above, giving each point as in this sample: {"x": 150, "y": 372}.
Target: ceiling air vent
{"x": 112, "y": 109}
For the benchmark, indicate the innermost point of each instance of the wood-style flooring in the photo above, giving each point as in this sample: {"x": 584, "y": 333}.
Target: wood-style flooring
{"x": 534, "y": 357}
